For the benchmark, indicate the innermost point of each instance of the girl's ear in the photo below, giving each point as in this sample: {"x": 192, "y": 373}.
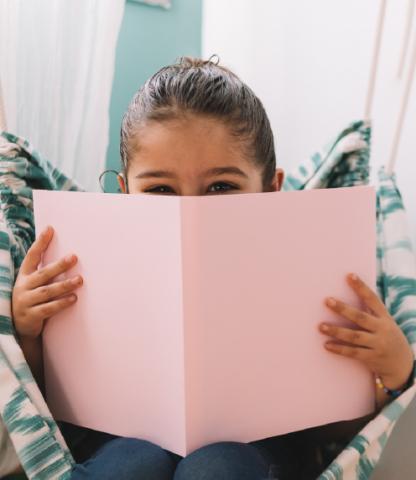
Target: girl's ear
{"x": 279, "y": 176}
{"x": 121, "y": 182}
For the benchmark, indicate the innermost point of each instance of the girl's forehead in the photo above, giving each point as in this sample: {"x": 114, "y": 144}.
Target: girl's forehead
{"x": 194, "y": 143}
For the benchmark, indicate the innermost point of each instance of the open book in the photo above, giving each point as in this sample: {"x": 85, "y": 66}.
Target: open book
{"x": 198, "y": 318}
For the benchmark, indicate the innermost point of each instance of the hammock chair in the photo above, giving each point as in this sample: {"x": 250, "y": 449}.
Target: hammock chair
{"x": 34, "y": 434}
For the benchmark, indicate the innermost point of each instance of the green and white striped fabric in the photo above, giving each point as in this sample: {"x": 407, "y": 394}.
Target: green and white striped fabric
{"x": 345, "y": 162}
{"x": 39, "y": 445}
{"x": 34, "y": 434}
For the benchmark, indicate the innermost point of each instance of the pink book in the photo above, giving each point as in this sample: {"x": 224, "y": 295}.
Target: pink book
{"x": 198, "y": 318}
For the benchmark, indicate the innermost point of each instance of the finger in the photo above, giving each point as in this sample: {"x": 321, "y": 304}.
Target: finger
{"x": 50, "y": 271}
{"x": 46, "y": 293}
{"x": 369, "y": 297}
{"x": 49, "y": 309}
{"x": 358, "y": 353}
{"x": 362, "y": 319}
{"x": 34, "y": 254}
{"x": 355, "y": 337}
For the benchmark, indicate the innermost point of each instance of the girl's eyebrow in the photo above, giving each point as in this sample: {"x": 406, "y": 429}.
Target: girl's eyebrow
{"x": 212, "y": 171}
{"x": 220, "y": 170}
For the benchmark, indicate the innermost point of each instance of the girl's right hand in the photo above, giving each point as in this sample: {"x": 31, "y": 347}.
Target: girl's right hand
{"x": 34, "y": 297}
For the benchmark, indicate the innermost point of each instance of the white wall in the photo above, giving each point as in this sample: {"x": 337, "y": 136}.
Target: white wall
{"x": 309, "y": 62}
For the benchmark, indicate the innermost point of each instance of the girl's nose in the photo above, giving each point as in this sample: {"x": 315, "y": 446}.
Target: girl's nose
{"x": 190, "y": 190}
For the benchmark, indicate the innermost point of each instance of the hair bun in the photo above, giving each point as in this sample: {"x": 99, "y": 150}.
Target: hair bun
{"x": 192, "y": 62}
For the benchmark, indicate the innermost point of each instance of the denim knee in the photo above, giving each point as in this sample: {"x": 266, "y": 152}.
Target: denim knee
{"x": 224, "y": 461}
{"x": 126, "y": 459}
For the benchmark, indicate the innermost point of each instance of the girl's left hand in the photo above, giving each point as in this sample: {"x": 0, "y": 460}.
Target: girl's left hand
{"x": 378, "y": 342}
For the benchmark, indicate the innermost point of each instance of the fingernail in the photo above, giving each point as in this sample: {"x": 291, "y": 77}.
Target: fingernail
{"x": 76, "y": 281}
{"x": 353, "y": 277}
{"x": 69, "y": 258}
{"x": 72, "y": 298}
{"x": 47, "y": 230}
{"x": 324, "y": 327}
{"x": 331, "y": 302}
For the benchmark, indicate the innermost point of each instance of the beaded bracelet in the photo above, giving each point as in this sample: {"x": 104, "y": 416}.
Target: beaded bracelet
{"x": 396, "y": 393}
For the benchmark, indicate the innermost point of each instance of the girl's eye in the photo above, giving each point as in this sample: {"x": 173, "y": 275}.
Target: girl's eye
{"x": 218, "y": 187}
{"x": 160, "y": 189}
{"x": 221, "y": 187}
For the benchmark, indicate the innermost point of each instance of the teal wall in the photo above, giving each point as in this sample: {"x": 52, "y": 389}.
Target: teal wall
{"x": 150, "y": 37}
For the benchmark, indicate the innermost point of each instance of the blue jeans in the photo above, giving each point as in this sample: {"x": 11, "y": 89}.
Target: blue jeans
{"x": 104, "y": 456}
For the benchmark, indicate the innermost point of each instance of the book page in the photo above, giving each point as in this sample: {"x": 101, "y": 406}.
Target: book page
{"x": 114, "y": 360}
{"x": 257, "y": 270}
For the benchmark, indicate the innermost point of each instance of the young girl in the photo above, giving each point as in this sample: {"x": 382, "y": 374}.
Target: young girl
{"x": 195, "y": 129}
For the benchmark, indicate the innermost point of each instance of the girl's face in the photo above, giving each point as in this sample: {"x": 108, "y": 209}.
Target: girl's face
{"x": 193, "y": 155}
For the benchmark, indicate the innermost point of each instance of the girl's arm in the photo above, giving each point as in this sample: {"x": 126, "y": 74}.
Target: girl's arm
{"x": 378, "y": 341}
{"x": 35, "y": 298}
{"x": 32, "y": 350}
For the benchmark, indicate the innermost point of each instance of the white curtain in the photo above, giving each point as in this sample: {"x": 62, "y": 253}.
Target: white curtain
{"x": 56, "y": 70}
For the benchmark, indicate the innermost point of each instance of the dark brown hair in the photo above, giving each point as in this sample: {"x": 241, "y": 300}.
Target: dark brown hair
{"x": 204, "y": 88}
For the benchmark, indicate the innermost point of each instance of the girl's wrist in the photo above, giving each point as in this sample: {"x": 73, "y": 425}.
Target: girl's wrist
{"x": 28, "y": 339}
{"x": 400, "y": 381}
